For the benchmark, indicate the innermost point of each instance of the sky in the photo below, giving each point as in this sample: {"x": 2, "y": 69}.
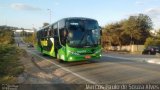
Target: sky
{"x": 33, "y": 13}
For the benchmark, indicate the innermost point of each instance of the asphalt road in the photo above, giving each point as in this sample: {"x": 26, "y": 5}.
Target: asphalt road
{"x": 110, "y": 69}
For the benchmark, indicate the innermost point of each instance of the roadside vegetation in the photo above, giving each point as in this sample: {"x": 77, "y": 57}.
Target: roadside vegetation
{"x": 136, "y": 30}
{"x": 10, "y": 55}
{"x": 6, "y": 35}
{"x": 154, "y": 40}
{"x": 29, "y": 37}
{"x": 10, "y": 66}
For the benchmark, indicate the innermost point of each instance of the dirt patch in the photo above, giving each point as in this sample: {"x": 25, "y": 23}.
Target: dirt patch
{"x": 35, "y": 74}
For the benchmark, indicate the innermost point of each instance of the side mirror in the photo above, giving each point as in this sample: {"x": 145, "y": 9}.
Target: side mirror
{"x": 101, "y": 32}
{"x": 100, "y": 28}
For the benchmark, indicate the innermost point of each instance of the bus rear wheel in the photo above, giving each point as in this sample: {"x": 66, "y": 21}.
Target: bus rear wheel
{"x": 42, "y": 52}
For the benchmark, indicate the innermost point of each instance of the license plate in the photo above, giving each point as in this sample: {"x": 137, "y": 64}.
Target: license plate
{"x": 87, "y": 57}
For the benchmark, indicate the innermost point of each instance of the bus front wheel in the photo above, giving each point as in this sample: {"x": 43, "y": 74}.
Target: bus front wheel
{"x": 58, "y": 58}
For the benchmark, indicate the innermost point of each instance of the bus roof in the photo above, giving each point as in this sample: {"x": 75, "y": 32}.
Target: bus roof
{"x": 69, "y": 18}
{"x": 77, "y": 18}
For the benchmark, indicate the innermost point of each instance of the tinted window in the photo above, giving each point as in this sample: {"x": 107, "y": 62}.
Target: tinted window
{"x": 55, "y": 29}
{"x": 83, "y": 33}
{"x": 61, "y": 24}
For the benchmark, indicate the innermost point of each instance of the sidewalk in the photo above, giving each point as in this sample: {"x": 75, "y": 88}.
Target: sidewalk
{"x": 155, "y": 61}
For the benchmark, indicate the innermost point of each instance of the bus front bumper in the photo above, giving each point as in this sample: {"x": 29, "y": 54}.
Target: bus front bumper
{"x": 83, "y": 57}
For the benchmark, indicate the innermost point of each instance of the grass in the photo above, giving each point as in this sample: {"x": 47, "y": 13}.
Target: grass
{"x": 10, "y": 66}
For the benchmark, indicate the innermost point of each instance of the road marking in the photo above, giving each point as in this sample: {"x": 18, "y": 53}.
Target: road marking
{"x": 90, "y": 81}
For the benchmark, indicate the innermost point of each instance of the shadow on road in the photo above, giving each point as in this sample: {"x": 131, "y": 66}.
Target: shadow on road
{"x": 88, "y": 62}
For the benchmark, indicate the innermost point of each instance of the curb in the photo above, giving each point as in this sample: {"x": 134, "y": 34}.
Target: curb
{"x": 152, "y": 60}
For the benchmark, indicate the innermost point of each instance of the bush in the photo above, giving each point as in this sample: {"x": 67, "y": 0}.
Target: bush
{"x": 6, "y": 36}
{"x": 30, "y": 39}
{"x": 152, "y": 42}
{"x": 10, "y": 65}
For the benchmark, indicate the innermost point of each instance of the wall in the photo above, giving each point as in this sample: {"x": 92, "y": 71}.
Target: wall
{"x": 132, "y": 48}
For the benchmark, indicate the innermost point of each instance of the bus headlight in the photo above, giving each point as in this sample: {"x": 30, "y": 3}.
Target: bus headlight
{"x": 70, "y": 58}
{"x": 62, "y": 57}
{"x": 98, "y": 51}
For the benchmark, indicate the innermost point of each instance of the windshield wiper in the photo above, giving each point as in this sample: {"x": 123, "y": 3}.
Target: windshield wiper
{"x": 87, "y": 42}
{"x": 82, "y": 39}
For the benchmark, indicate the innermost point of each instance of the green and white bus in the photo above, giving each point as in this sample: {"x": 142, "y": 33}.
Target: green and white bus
{"x": 71, "y": 39}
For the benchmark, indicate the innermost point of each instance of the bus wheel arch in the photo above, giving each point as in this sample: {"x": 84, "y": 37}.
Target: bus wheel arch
{"x": 59, "y": 59}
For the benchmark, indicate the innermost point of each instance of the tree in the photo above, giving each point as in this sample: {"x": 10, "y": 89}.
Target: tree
{"x": 134, "y": 30}
{"x": 114, "y": 33}
{"x": 158, "y": 34}
{"x": 130, "y": 28}
{"x": 6, "y": 35}
{"x": 138, "y": 27}
{"x": 45, "y": 24}
{"x": 152, "y": 42}
{"x": 144, "y": 26}
{"x": 149, "y": 41}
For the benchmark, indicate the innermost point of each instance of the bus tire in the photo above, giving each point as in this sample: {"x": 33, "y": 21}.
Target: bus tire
{"x": 42, "y": 52}
{"x": 57, "y": 56}
{"x": 61, "y": 61}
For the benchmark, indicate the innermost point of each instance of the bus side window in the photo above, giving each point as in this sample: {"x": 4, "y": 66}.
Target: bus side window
{"x": 55, "y": 30}
{"x": 63, "y": 36}
{"x": 62, "y": 32}
{"x": 45, "y": 33}
{"x": 48, "y": 31}
{"x": 51, "y": 33}
{"x": 42, "y": 33}
{"x": 37, "y": 35}
{"x": 55, "y": 35}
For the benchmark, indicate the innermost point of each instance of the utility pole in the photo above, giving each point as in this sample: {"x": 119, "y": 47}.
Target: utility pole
{"x": 49, "y": 15}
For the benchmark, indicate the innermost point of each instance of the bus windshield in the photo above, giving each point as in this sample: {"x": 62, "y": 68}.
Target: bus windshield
{"x": 83, "y": 33}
